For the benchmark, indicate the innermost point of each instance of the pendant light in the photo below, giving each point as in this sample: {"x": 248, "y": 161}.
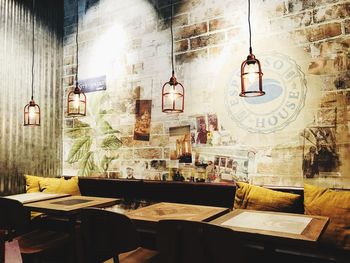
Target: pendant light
{"x": 32, "y": 110}
{"x": 173, "y": 93}
{"x": 251, "y": 74}
{"x": 76, "y": 98}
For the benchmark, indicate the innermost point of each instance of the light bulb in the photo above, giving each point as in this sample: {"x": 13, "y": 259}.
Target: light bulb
{"x": 251, "y": 74}
{"x": 76, "y": 101}
{"x": 31, "y": 113}
{"x": 172, "y": 94}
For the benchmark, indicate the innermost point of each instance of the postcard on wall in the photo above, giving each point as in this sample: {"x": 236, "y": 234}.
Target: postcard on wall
{"x": 180, "y": 143}
{"x": 143, "y": 120}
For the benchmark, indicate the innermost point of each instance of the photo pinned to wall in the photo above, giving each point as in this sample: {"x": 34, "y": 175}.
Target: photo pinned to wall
{"x": 213, "y": 122}
{"x": 202, "y": 130}
{"x": 134, "y": 169}
{"x": 180, "y": 143}
{"x": 231, "y": 168}
{"x": 143, "y": 120}
{"x": 320, "y": 156}
{"x": 213, "y": 135}
{"x": 157, "y": 171}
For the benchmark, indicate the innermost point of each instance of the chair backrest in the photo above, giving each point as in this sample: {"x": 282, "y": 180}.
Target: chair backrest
{"x": 13, "y": 216}
{"x": 181, "y": 241}
{"x": 106, "y": 234}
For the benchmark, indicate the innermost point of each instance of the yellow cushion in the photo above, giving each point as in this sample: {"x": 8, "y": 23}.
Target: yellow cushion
{"x": 32, "y": 183}
{"x": 60, "y": 185}
{"x": 260, "y": 198}
{"x": 336, "y": 206}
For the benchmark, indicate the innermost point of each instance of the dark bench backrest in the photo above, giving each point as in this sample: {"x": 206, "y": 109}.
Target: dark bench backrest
{"x": 213, "y": 194}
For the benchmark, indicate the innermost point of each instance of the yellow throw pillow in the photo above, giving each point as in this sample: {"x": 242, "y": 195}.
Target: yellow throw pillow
{"x": 259, "y": 198}
{"x": 60, "y": 185}
{"x": 32, "y": 183}
{"x": 336, "y": 206}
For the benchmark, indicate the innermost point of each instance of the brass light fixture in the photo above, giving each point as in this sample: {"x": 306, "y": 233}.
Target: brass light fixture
{"x": 32, "y": 110}
{"x": 76, "y": 98}
{"x": 173, "y": 92}
{"x": 251, "y": 74}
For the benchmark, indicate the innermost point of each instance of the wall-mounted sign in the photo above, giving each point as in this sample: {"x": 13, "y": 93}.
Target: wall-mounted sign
{"x": 93, "y": 84}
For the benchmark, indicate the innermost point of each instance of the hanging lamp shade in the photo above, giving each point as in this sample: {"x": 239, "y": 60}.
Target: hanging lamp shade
{"x": 173, "y": 94}
{"x": 251, "y": 73}
{"x": 76, "y": 106}
{"x": 251, "y": 78}
{"x": 32, "y": 114}
{"x": 76, "y": 103}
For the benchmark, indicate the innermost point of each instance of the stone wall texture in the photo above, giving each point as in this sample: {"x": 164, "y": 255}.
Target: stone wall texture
{"x": 303, "y": 46}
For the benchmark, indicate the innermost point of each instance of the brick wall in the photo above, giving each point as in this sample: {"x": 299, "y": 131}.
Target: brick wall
{"x": 303, "y": 47}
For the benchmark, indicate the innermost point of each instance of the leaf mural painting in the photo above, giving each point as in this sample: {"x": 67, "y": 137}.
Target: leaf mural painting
{"x": 87, "y": 164}
{"x": 111, "y": 142}
{"x": 79, "y": 149}
{"x": 94, "y": 141}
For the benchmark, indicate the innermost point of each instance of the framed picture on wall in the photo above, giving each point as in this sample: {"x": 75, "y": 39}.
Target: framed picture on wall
{"x": 143, "y": 120}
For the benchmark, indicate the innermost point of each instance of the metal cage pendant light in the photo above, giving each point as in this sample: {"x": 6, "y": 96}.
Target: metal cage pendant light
{"x": 251, "y": 74}
{"x": 76, "y": 105}
{"x": 173, "y": 92}
{"x": 32, "y": 110}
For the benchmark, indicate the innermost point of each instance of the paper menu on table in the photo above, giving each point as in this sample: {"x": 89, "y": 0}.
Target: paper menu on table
{"x": 269, "y": 222}
{"x": 32, "y": 197}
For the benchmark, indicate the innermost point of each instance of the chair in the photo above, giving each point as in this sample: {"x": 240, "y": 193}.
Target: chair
{"x": 181, "y": 241}
{"x": 33, "y": 243}
{"x": 106, "y": 234}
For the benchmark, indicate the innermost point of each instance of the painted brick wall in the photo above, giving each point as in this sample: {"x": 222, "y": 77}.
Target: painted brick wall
{"x": 304, "y": 49}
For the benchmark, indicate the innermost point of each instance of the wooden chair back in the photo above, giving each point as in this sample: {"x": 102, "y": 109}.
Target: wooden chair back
{"x": 106, "y": 234}
{"x": 181, "y": 241}
{"x": 14, "y": 217}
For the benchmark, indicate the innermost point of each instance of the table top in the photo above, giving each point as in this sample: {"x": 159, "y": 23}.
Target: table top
{"x": 274, "y": 225}
{"x": 163, "y": 210}
{"x": 70, "y": 204}
{"x": 34, "y": 197}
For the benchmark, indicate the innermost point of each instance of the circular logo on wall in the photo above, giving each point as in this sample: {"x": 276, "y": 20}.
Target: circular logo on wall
{"x": 285, "y": 87}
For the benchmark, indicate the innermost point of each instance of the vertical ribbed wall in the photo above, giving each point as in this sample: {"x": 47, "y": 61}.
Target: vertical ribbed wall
{"x": 27, "y": 150}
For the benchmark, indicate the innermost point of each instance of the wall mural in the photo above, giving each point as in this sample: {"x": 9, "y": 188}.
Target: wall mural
{"x": 94, "y": 142}
{"x": 289, "y": 135}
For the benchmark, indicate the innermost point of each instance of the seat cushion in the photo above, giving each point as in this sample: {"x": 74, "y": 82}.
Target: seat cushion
{"x": 259, "y": 198}
{"x": 139, "y": 255}
{"x": 335, "y": 205}
{"x": 60, "y": 185}
{"x": 32, "y": 183}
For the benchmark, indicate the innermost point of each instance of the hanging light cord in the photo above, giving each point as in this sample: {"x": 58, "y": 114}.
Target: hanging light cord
{"x": 250, "y": 30}
{"x": 33, "y": 24}
{"x": 76, "y": 43}
{"x": 172, "y": 39}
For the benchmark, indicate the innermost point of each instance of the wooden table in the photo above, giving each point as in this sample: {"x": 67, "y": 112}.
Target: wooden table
{"x": 274, "y": 225}
{"x": 146, "y": 218}
{"x": 68, "y": 205}
{"x": 68, "y": 208}
{"x": 35, "y": 197}
{"x": 274, "y": 233}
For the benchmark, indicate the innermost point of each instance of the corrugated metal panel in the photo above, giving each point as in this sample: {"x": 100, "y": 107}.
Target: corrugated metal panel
{"x": 27, "y": 150}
